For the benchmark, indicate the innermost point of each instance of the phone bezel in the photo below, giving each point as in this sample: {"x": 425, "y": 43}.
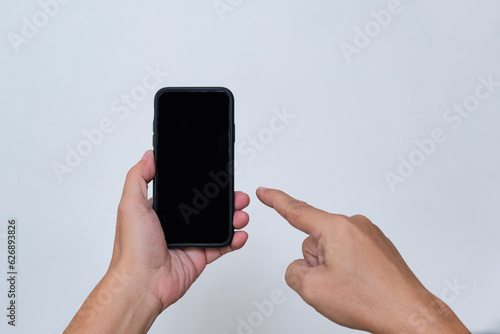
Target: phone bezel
{"x": 231, "y": 140}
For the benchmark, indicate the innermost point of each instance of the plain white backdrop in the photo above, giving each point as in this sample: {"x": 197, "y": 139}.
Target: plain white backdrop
{"x": 360, "y": 93}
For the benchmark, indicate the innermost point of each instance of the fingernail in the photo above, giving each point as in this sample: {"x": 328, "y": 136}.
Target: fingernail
{"x": 261, "y": 188}
{"x": 145, "y": 155}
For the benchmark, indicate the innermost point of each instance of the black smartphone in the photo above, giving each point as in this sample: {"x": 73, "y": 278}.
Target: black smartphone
{"x": 193, "y": 188}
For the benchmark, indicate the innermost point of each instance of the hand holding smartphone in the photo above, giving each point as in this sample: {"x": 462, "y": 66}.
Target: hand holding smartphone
{"x": 193, "y": 189}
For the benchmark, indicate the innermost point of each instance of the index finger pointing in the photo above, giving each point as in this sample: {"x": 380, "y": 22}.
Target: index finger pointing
{"x": 299, "y": 214}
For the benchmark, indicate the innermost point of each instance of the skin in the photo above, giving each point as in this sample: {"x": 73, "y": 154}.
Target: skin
{"x": 144, "y": 276}
{"x": 352, "y": 274}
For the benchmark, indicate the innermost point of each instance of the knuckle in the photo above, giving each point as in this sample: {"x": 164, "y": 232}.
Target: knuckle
{"x": 310, "y": 287}
{"x": 130, "y": 175}
{"x": 361, "y": 221}
{"x": 122, "y": 211}
{"x": 365, "y": 226}
{"x": 360, "y": 218}
{"x": 305, "y": 245}
{"x": 305, "y": 283}
{"x": 290, "y": 276}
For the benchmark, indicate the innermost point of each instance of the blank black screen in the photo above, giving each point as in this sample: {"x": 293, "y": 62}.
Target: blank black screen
{"x": 193, "y": 182}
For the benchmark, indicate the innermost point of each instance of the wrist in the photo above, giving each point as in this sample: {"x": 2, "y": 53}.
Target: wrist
{"x": 133, "y": 286}
{"x": 118, "y": 304}
{"x": 431, "y": 315}
{"x": 126, "y": 291}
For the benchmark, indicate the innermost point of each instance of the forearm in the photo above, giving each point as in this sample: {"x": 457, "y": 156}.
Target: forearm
{"x": 115, "y": 305}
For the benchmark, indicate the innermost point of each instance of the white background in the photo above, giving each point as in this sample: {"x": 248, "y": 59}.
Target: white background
{"x": 352, "y": 123}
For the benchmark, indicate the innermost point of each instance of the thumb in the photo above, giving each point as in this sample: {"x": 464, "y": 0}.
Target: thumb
{"x": 138, "y": 177}
{"x": 296, "y": 274}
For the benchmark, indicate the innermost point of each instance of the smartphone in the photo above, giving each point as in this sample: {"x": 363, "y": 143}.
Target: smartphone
{"x": 193, "y": 188}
